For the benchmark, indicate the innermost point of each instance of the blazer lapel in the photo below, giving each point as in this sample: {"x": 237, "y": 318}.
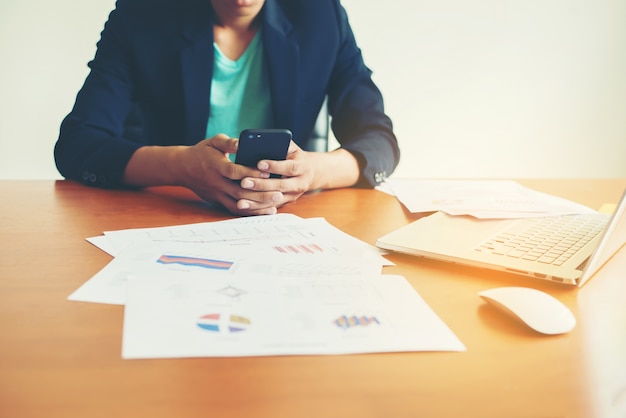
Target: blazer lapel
{"x": 282, "y": 55}
{"x": 197, "y": 72}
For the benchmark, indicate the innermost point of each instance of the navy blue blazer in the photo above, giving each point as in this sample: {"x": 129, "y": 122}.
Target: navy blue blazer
{"x": 155, "y": 57}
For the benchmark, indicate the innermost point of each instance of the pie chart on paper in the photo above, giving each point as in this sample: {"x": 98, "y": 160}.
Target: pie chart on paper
{"x": 223, "y": 323}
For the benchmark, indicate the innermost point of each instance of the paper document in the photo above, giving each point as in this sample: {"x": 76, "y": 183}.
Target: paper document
{"x": 258, "y": 286}
{"x": 264, "y": 246}
{"x": 168, "y": 316}
{"x": 484, "y": 199}
{"x": 216, "y": 260}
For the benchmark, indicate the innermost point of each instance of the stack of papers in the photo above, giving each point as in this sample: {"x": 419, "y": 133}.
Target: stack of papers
{"x": 483, "y": 199}
{"x": 265, "y": 285}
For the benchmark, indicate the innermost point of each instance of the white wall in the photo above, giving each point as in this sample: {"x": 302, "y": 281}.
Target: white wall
{"x": 477, "y": 88}
{"x": 504, "y": 88}
{"x": 44, "y": 50}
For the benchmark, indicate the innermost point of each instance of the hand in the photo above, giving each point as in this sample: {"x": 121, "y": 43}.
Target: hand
{"x": 304, "y": 171}
{"x": 296, "y": 173}
{"x": 208, "y": 172}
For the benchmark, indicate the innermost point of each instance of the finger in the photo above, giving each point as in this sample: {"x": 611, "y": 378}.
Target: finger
{"x": 265, "y": 206}
{"x": 240, "y": 172}
{"x": 261, "y": 199}
{"x": 245, "y": 208}
{"x": 250, "y": 206}
{"x": 293, "y": 149}
{"x": 256, "y": 199}
{"x": 285, "y": 168}
{"x": 284, "y": 185}
{"x": 224, "y": 143}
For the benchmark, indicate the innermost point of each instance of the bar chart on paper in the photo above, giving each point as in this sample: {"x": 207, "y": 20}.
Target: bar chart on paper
{"x": 299, "y": 249}
{"x": 352, "y": 321}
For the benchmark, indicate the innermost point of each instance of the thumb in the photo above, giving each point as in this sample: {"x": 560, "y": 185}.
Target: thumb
{"x": 223, "y": 143}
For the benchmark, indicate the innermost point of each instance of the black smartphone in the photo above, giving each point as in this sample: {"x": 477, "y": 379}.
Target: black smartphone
{"x": 262, "y": 144}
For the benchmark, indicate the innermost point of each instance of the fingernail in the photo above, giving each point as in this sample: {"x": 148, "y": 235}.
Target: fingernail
{"x": 277, "y": 197}
{"x": 244, "y": 205}
{"x": 247, "y": 184}
{"x": 263, "y": 165}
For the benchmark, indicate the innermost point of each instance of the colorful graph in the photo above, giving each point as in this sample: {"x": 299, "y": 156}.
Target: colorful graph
{"x": 345, "y": 322}
{"x": 217, "y": 322}
{"x": 299, "y": 249}
{"x": 206, "y": 263}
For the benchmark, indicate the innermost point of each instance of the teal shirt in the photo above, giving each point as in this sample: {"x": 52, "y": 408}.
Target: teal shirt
{"x": 240, "y": 94}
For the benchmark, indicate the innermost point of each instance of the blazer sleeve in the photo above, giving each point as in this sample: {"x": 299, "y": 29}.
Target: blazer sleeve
{"x": 90, "y": 147}
{"x": 357, "y": 111}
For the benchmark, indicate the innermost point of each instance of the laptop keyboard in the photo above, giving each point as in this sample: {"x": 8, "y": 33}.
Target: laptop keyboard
{"x": 546, "y": 240}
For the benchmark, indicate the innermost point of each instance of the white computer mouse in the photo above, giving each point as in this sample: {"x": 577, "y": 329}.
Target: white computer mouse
{"x": 540, "y": 311}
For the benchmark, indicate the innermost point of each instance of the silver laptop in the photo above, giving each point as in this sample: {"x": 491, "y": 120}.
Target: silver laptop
{"x": 567, "y": 249}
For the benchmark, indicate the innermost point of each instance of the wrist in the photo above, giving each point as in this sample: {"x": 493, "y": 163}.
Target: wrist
{"x": 334, "y": 169}
{"x": 155, "y": 166}
{"x": 174, "y": 165}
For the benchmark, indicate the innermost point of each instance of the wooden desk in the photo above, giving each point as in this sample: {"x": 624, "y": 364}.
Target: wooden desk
{"x": 62, "y": 359}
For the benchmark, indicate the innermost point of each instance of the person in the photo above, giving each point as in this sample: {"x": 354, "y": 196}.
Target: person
{"x": 173, "y": 82}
